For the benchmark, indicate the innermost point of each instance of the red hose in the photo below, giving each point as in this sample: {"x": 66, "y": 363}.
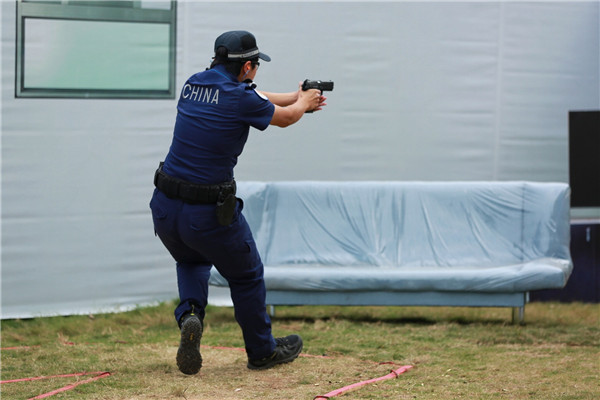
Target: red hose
{"x": 393, "y": 374}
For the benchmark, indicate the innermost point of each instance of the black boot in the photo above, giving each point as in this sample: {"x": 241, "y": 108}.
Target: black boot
{"x": 189, "y": 359}
{"x": 286, "y": 350}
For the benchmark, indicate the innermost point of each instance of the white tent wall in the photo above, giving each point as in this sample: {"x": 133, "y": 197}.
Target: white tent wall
{"x": 423, "y": 91}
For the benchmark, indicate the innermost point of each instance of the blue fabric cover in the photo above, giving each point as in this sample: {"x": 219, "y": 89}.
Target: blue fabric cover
{"x": 410, "y": 236}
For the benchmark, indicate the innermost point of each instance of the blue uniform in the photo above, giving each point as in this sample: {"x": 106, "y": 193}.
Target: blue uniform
{"x": 214, "y": 114}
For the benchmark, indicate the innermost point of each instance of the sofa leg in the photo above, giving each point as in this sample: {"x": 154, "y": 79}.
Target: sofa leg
{"x": 518, "y": 315}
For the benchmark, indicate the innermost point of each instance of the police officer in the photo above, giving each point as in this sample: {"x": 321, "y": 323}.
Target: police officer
{"x": 194, "y": 209}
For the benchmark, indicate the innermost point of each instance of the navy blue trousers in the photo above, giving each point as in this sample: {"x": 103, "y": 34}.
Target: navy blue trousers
{"x": 196, "y": 241}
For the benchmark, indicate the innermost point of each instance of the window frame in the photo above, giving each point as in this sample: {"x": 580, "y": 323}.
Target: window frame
{"x": 97, "y": 11}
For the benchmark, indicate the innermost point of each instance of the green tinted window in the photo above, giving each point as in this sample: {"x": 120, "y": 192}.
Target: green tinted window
{"x": 96, "y": 49}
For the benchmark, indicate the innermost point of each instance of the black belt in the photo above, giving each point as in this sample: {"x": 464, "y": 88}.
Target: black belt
{"x": 189, "y": 192}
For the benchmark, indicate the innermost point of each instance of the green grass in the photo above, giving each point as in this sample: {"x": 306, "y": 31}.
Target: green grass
{"x": 470, "y": 353}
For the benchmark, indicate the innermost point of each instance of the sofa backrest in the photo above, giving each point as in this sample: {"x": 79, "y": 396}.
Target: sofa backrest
{"x": 467, "y": 224}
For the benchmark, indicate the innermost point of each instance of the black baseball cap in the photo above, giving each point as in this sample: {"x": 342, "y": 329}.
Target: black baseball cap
{"x": 240, "y": 45}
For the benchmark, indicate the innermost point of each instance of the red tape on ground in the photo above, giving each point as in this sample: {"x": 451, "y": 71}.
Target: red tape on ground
{"x": 37, "y": 378}
{"x": 18, "y": 348}
{"x": 394, "y": 374}
{"x": 99, "y": 375}
{"x": 69, "y": 387}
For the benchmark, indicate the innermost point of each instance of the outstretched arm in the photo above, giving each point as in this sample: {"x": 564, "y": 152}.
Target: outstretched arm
{"x": 281, "y": 99}
{"x": 291, "y": 113}
{"x": 286, "y": 99}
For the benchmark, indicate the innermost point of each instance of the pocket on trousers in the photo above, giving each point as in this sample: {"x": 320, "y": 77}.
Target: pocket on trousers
{"x": 159, "y": 215}
{"x": 238, "y": 247}
{"x": 247, "y": 247}
{"x": 158, "y": 212}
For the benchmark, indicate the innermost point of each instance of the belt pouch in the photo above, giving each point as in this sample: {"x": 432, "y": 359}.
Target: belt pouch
{"x": 225, "y": 208}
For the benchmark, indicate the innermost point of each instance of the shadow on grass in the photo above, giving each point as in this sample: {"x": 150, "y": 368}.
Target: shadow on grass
{"x": 423, "y": 321}
{"x": 382, "y": 315}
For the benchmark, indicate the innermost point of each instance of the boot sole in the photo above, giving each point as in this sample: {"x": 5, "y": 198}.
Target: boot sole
{"x": 189, "y": 360}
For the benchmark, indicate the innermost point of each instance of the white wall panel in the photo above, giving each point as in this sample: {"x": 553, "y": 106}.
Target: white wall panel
{"x": 423, "y": 91}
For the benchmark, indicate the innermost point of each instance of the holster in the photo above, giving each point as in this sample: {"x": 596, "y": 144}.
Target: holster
{"x": 225, "y": 208}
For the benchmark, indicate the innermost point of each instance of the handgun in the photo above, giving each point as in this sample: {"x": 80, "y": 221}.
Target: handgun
{"x": 323, "y": 86}
{"x": 320, "y": 85}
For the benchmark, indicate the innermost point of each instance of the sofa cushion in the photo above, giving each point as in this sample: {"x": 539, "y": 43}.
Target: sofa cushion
{"x": 539, "y": 274}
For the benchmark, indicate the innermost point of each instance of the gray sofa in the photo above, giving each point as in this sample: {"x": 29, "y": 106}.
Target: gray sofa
{"x": 483, "y": 244}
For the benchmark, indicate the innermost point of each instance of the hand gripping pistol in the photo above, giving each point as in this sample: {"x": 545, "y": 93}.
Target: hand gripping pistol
{"x": 323, "y": 86}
